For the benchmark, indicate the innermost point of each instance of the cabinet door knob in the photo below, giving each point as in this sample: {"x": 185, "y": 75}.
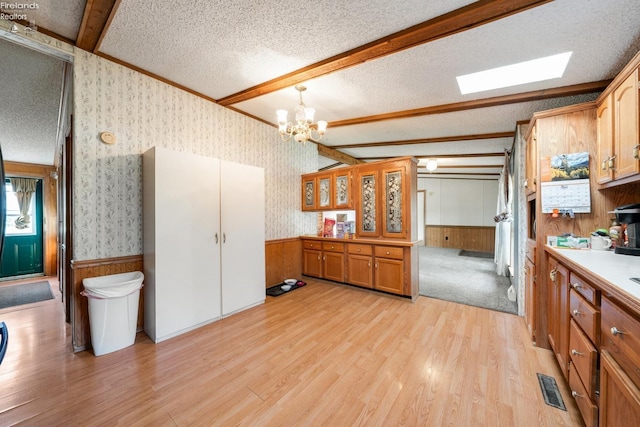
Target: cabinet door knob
{"x": 636, "y": 152}
{"x": 552, "y": 274}
{"x": 610, "y": 162}
{"x": 324, "y": 258}
{"x": 615, "y": 332}
{"x": 576, "y": 313}
{"x": 331, "y": 246}
{"x": 575, "y": 394}
{"x": 603, "y": 166}
{"x": 388, "y": 252}
{"x": 369, "y": 264}
{"x": 216, "y": 238}
{"x": 358, "y": 249}
{"x": 576, "y": 285}
{"x": 575, "y": 352}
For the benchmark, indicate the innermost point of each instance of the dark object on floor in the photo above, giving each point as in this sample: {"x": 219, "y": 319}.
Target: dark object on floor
{"x": 24, "y": 294}
{"x": 275, "y": 291}
{"x": 476, "y": 254}
{"x": 550, "y": 392}
{"x": 4, "y": 337}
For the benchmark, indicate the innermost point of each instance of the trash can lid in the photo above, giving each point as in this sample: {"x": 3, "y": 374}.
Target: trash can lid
{"x": 113, "y": 285}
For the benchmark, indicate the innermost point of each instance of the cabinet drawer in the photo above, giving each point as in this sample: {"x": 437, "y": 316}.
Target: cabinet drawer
{"x": 588, "y": 409}
{"x": 585, "y": 289}
{"x": 312, "y": 244}
{"x": 621, "y": 338}
{"x": 332, "y": 247}
{"x": 389, "y": 252}
{"x": 360, "y": 249}
{"x": 584, "y": 358}
{"x": 585, "y": 315}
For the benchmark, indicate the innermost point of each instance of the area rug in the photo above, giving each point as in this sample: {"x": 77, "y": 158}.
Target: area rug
{"x": 476, "y": 254}
{"x": 446, "y": 275}
{"x": 12, "y": 295}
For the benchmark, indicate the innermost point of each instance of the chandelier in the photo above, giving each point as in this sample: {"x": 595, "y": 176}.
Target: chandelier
{"x": 303, "y": 129}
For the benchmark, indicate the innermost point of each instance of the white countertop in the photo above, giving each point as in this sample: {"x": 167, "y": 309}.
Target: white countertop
{"x": 617, "y": 269}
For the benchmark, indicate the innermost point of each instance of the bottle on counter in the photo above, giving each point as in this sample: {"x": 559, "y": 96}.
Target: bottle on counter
{"x": 615, "y": 233}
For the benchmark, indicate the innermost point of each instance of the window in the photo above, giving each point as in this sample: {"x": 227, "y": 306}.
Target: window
{"x": 13, "y": 212}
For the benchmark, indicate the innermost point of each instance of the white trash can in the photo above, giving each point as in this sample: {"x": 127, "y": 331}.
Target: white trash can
{"x": 113, "y": 310}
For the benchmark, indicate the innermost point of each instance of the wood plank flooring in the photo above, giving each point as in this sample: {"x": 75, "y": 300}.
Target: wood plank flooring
{"x": 322, "y": 355}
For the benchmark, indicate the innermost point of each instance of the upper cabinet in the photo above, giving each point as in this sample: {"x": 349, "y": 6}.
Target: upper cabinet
{"x": 619, "y": 132}
{"x": 342, "y": 189}
{"x": 383, "y": 194}
{"x": 531, "y": 162}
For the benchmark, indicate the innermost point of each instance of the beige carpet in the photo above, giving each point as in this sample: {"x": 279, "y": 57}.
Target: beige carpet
{"x": 470, "y": 280}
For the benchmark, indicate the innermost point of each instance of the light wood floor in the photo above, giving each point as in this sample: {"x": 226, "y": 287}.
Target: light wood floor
{"x": 322, "y": 355}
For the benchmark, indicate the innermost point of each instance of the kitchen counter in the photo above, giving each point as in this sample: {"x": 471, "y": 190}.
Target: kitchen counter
{"x": 610, "y": 271}
{"x": 361, "y": 240}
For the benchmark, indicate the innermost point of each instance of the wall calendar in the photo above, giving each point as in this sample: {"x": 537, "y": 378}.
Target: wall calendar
{"x": 565, "y": 183}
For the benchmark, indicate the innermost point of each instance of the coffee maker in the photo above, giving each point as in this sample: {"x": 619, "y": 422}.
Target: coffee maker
{"x": 630, "y": 216}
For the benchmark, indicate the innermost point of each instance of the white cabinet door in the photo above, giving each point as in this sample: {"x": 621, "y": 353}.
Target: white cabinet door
{"x": 243, "y": 228}
{"x": 182, "y": 258}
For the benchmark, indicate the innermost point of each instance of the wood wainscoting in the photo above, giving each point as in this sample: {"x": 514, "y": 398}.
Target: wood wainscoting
{"x": 283, "y": 260}
{"x": 461, "y": 237}
{"x": 80, "y": 332}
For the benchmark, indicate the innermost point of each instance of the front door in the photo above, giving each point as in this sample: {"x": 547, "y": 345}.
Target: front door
{"x": 22, "y": 254}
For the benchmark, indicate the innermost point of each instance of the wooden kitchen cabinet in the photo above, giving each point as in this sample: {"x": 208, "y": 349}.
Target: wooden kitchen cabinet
{"x": 389, "y": 269}
{"x": 531, "y": 162}
{"x": 618, "y": 127}
{"x": 317, "y": 191}
{"x": 309, "y": 192}
{"x": 619, "y": 396}
{"x": 394, "y": 201}
{"x": 368, "y": 222}
{"x": 360, "y": 265}
{"x": 558, "y": 314}
{"x": 343, "y": 189}
{"x": 531, "y": 293}
{"x": 312, "y": 258}
{"x": 333, "y": 261}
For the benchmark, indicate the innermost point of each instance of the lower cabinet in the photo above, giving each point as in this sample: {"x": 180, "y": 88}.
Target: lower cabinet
{"x": 619, "y": 396}
{"x": 385, "y": 268}
{"x": 323, "y": 260}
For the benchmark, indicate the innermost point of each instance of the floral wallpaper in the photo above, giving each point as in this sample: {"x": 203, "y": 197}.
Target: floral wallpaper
{"x": 143, "y": 112}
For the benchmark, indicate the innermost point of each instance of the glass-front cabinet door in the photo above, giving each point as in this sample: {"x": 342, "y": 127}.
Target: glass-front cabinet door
{"x": 368, "y": 207}
{"x": 343, "y": 198}
{"x": 395, "y": 190}
{"x": 324, "y": 192}
{"x": 308, "y": 193}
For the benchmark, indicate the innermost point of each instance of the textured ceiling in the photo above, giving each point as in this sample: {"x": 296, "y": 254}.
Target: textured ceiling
{"x": 30, "y": 84}
{"x": 222, "y": 47}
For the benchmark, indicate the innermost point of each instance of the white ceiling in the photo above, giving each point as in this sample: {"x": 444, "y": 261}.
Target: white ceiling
{"x": 221, "y": 47}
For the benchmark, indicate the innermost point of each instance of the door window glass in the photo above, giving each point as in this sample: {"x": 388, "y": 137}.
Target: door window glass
{"x": 13, "y": 212}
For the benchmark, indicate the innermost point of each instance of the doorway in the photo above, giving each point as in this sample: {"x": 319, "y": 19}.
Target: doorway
{"x": 23, "y": 246}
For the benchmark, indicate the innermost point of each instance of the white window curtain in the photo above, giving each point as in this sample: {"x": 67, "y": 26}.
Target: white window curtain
{"x": 24, "y": 189}
{"x": 503, "y": 220}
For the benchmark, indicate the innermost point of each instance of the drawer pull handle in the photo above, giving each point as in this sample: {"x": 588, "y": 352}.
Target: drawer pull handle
{"x": 358, "y": 249}
{"x": 331, "y": 246}
{"x": 324, "y": 258}
{"x": 369, "y": 264}
{"x": 388, "y": 252}
{"x": 575, "y": 394}
{"x": 615, "y": 332}
{"x": 576, "y": 285}
{"x": 636, "y": 152}
{"x": 575, "y": 352}
{"x": 576, "y": 313}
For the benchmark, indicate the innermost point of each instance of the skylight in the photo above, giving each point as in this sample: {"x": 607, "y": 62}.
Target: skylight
{"x": 536, "y": 70}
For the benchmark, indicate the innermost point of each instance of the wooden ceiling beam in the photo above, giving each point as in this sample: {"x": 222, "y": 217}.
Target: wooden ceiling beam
{"x": 336, "y": 155}
{"x": 468, "y": 17}
{"x": 96, "y": 18}
{"x": 536, "y": 95}
{"x": 457, "y": 138}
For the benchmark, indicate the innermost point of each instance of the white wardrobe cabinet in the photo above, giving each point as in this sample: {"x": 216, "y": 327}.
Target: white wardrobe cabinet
{"x": 203, "y": 231}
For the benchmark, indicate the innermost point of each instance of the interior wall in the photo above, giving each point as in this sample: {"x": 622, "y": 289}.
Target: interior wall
{"x": 143, "y": 112}
{"x": 461, "y": 202}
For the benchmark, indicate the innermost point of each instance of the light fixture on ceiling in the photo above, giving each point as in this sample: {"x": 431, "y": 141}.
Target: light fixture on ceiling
{"x": 432, "y": 164}
{"x": 536, "y": 70}
{"x": 304, "y": 129}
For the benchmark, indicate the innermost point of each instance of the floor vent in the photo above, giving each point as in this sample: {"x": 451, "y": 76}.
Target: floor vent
{"x": 550, "y": 392}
